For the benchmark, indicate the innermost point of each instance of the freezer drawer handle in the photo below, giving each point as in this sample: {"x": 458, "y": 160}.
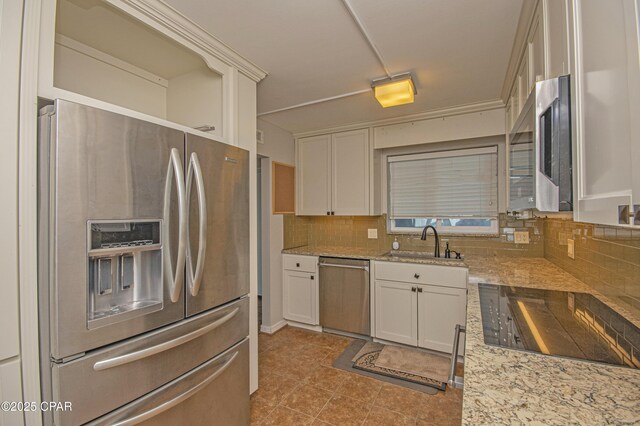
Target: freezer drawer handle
{"x": 178, "y": 399}
{"x": 195, "y": 279}
{"x": 333, "y": 265}
{"x": 138, "y": 355}
{"x": 175, "y": 168}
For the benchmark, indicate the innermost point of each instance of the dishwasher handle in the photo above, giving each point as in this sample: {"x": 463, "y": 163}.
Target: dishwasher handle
{"x": 334, "y": 265}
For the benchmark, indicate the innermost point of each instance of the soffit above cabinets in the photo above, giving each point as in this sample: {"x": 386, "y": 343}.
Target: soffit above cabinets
{"x": 457, "y": 50}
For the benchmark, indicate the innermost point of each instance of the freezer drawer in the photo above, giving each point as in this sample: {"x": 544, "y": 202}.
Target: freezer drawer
{"x": 216, "y": 393}
{"x": 108, "y": 378}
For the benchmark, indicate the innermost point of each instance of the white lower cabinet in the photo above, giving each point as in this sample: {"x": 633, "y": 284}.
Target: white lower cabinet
{"x": 439, "y": 310}
{"x": 396, "y": 312}
{"x": 418, "y": 314}
{"x": 300, "y": 289}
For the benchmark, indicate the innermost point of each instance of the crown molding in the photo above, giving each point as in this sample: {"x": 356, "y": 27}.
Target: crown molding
{"x": 175, "y": 22}
{"x": 436, "y": 113}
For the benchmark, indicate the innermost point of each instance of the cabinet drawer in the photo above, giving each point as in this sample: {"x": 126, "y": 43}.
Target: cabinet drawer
{"x": 299, "y": 263}
{"x": 446, "y": 276}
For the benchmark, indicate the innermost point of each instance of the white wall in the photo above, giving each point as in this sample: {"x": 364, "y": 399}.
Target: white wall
{"x": 278, "y": 146}
{"x": 10, "y": 31}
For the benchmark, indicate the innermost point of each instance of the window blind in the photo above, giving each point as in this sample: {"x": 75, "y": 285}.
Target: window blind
{"x": 462, "y": 183}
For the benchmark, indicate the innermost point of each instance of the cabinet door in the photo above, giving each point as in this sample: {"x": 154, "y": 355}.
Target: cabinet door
{"x": 396, "y": 312}
{"x": 314, "y": 175}
{"x": 10, "y": 390}
{"x": 350, "y": 177}
{"x": 536, "y": 51}
{"x": 607, "y": 107}
{"x": 300, "y": 297}
{"x": 524, "y": 83}
{"x": 439, "y": 310}
{"x": 555, "y": 30}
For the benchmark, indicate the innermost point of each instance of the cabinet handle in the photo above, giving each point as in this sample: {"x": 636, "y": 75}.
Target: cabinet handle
{"x": 416, "y": 276}
{"x": 413, "y": 289}
{"x": 312, "y": 277}
{"x": 333, "y": 213}
{"x": 419, "y": 289}
{"x": 328, "y": 213}
{"x": 297, "y": 265}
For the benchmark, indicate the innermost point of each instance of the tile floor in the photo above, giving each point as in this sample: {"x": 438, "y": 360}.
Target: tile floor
{"x": 298, "y": 386}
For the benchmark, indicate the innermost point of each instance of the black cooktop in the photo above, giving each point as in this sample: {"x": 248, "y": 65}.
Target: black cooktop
{"x": 560, "y": 323}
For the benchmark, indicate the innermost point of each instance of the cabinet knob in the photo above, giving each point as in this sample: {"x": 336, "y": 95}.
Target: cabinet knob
{"x": 419, "y": 289}
{"x": 333, "y": 213}
{"x": 312, "y": 277}
{"x": 328, "y": 213}
{"x": 297, "y": 265}
{"x": 413, "y": 289}
{"x": 416, "y": 276}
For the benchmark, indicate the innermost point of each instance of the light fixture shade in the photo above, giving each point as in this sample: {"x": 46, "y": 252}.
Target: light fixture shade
{"x": 394, "y": 93}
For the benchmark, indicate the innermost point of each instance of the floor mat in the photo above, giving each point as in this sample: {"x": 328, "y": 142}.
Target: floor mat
{"x": 344, "y": 362}
{"x": 403, "y": 361}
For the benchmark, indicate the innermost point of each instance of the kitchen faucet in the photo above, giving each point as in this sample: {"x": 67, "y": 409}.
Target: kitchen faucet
{"x": 436, "y": 252}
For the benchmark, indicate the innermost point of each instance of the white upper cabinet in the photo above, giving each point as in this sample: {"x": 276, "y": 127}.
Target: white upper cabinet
{"x": 556, "y": 50}
{"x": 314, "y": 175}
{"x": 536, "y": 51}
{"x": 141, "y": 59}
{"x": 606, "y": 103}
{"x": 334, "y": 174}
{"x": 350, "y": 173}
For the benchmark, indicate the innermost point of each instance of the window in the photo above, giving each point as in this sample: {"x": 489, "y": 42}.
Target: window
{"x": 455, "y": 191}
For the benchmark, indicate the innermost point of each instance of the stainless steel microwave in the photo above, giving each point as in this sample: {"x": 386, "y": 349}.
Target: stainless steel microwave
{"x": 540, "y": 166}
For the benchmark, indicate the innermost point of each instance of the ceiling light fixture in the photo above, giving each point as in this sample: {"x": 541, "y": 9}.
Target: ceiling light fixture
{"x": 394, "y": 90}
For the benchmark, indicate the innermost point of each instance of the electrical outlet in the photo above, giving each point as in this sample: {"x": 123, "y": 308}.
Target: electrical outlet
{"x": 521, "y": 237}
{"x": 570, "y": 249}
{"x": 373, "y": 234}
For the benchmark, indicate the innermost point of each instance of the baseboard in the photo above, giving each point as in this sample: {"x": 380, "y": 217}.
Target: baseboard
{"x": 305, "y": 326}
{"x": 273, "y": 328}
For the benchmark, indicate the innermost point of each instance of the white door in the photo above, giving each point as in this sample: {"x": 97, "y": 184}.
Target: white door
{"x": 607, "y": 107}
{"x": 439, "y": 310}
{"x": 300, "y": 297}
{"x": 314, "y": 175}
{"x": 350, "y": 173}
{"x": 396, "y": 312}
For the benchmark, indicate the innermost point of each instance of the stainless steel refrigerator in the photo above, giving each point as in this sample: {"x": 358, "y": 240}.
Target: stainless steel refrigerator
{"x": 143, "y": 272}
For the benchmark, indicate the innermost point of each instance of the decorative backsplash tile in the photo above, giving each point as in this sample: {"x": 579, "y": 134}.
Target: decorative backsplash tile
{"x": 351, "y": 231}
{"x": 607, "y": 258}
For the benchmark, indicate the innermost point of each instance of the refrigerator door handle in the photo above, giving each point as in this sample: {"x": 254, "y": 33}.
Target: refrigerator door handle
{"x": 195, "y": 279}
{"x": 178, "y": 399}
{"x": 153, "y": 350}
{"x": 175, "y": 169}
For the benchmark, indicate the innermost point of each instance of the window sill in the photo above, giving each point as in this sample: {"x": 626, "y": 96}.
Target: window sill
{"x": 448, "y": 234}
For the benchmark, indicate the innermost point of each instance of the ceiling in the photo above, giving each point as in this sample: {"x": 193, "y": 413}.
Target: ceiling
{"x": 457, "y": 50}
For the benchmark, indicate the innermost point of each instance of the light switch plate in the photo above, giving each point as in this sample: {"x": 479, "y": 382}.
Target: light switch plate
{"x": 521, "y": 237}
{"x": 570, "y": 249}
{"x": 373, "y": 234}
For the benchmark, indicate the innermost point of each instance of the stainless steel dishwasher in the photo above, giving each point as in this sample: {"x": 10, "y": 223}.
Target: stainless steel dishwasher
{"x": 344, "y": 295}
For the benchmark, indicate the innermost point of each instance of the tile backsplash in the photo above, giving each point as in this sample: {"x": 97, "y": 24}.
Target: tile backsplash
{"x": 607, "y": 258}
{"x": 351, "y": 231}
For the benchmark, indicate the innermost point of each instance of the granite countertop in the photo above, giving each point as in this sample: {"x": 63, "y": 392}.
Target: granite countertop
{"x": 503, "y": 386}
{"x": 371, "y": 254}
